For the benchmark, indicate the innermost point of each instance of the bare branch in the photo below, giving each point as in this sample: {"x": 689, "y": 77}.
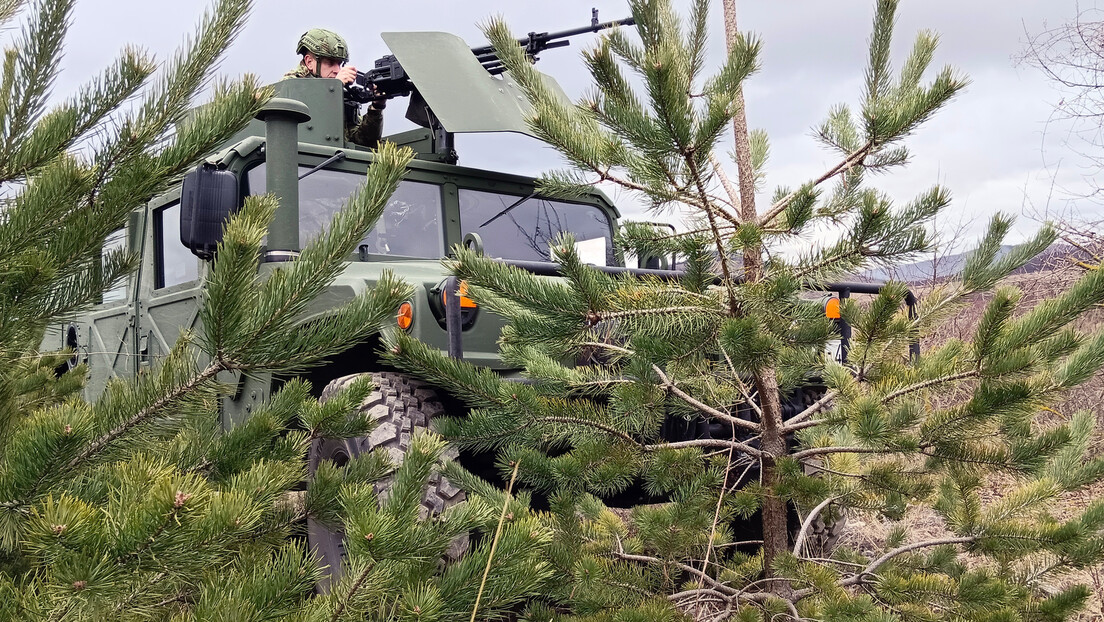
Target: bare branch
{"x": 705, "y": 408}
{"x": 733, "y": 195}
{"x": 884, "y": 559}
{"x": 813, "y": 409}
{"x": 705, "y": 578}
{"x": 709, "y": 442}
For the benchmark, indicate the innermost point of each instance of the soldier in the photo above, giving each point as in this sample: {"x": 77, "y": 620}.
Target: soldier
{"x": 324, "y": 54}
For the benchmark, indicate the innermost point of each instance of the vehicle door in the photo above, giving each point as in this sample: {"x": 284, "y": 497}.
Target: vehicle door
{"x": 105, "y": 337}
{"x": 173, "y": 284}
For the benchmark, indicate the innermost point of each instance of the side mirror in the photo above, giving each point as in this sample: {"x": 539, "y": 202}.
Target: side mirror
{"x": 208, "y": 197}
{"x": 653, "y": 262}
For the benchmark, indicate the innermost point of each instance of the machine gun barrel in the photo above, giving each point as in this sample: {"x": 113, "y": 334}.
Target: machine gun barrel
{"x": 388, "y": 80}
{"x": 537, "y": 42}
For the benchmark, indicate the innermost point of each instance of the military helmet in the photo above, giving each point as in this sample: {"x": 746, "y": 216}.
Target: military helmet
{"x": 323, "y": 44}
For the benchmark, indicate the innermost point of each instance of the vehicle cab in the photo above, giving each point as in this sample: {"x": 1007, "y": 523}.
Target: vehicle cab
{"x": 436, "y": 206}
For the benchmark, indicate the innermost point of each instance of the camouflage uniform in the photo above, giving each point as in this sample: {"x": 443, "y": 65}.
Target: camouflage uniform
{"x": 363, "y": 130}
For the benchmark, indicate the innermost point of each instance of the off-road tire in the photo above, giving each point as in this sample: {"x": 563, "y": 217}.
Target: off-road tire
{"x": 401, "y": 406}
{"x": 826, "y": 529}
{"x": 825, "y": 532}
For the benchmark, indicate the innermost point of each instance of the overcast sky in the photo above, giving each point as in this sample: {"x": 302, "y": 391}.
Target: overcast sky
{"x": 992, "y": 147}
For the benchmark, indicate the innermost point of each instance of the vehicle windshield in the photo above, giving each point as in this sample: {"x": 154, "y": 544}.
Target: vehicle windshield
{"x": 523, "y": 228}
{"x": 409, "y": 227}
{"x": 510, "y": 226}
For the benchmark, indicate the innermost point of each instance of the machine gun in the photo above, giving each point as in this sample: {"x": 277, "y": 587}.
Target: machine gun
{"x": 387, "y": 79}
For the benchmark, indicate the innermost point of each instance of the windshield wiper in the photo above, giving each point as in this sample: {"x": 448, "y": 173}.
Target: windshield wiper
{"x": 505, "y": 211}
{"x": 340, "y": 155}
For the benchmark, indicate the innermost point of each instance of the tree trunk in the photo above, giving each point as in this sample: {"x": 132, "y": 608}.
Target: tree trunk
{"x": 753, "y": 260}
{"x": 775, "y": 527}
{"x": 775, "y": 532}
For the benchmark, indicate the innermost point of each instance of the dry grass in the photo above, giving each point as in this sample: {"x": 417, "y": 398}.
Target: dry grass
{"x": 868, "y": 532}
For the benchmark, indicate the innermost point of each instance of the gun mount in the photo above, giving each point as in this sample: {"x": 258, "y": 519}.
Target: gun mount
{"x": 387, "y": 79}
{"x": 456, "y": 88}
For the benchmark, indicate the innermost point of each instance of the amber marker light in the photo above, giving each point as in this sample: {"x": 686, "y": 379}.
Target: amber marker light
{"x": 465, "y": 302}
{"x": 405, "y": 317}
{"x": 832, "y": 309}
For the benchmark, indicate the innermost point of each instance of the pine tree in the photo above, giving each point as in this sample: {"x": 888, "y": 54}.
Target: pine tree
{"x": 737, "y": 336}
{"x": 137, "y": 505}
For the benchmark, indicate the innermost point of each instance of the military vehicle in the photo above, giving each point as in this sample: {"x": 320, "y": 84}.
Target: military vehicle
{"x": 297, "y": 150}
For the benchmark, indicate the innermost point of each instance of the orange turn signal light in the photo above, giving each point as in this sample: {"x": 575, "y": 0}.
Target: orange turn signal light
{"x": 405, "y": 317}
{"x": 465, "y": 302}
{"x": 832, "y": 309}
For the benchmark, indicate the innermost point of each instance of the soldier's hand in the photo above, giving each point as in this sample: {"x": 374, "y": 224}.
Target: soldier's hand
{"x": 381, "y": 102}
{"x": 347, "y": 74}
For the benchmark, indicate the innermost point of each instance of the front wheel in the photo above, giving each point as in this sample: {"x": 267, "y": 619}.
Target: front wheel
{"x": 401, "y": 406}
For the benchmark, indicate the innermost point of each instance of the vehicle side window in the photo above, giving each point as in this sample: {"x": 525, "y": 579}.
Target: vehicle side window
{"x": 173, "y": 263}
{"x": 115, "y": 241}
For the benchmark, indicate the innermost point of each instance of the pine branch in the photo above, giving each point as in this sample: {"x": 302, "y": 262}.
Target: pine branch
{"x": 780, "y": 205}
{"x": 122, "y": 606}
{"x": 884, "y": 559}
{"x": 919, "y": 386}
{"x": 718, "y": 240}
{"x": 584, "y": 422}
{"x": 923, "y": 450}
{"x": 852, "y": 251}
{"x": 344, "y": 602}
{"x": 568, "y": 420}
{"x": 170, "y": 518}
{"x": 628, "y": 586}
{"x": 145, "y": 414}
{"x": 633, "y": 313}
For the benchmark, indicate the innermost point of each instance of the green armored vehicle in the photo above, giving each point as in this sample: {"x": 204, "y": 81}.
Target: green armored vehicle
{"x": 298, "y": 151}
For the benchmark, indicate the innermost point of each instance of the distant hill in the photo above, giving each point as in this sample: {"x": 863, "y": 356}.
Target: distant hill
{"x": 951, "y": 265}
{"x": 943, "y": 268}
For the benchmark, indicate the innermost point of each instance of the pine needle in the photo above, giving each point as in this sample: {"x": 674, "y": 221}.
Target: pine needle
{"x": 498, "y": 534}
